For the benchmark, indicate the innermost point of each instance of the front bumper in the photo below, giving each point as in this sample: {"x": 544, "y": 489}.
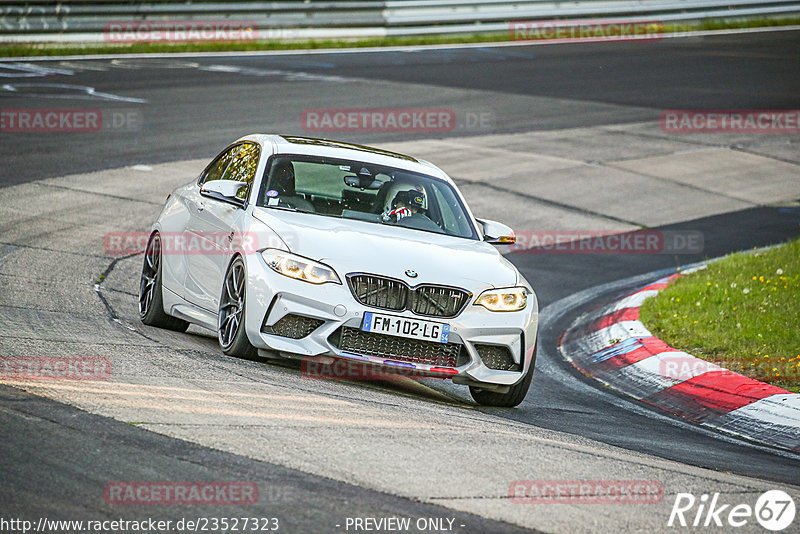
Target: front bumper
{"x": 272, "y": 296}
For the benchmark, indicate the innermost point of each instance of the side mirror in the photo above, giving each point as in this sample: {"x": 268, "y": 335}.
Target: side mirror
{"x": 497, "y": 233}
{"x": 225, "y": 190}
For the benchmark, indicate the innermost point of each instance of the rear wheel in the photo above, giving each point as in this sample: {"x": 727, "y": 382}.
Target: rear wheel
{"x": 232, "y": 336}
{"x": 512, "y": 398}
{"x": 151, "y": 303}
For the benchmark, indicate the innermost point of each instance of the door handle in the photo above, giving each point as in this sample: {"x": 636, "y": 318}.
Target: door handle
{"x": 201, "y": 206}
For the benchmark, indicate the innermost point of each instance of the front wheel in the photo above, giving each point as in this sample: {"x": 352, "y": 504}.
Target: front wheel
{"x": 232, "y": 336}
{"x": 512, "y": 398}
{"x": 151, "y": 303}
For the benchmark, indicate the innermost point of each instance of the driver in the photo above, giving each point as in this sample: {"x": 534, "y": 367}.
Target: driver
{"x": 282, "y": 188}
{"x": 405, "y": 204}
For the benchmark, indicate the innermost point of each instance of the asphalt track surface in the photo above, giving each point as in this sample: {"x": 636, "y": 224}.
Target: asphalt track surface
{"x": 192, "y": 112}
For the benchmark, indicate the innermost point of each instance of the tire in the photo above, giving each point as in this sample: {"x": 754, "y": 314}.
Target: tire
{"x": 231, "y": 326}
{"x": 512, "y": 398}
{"x": 151, "y": 301}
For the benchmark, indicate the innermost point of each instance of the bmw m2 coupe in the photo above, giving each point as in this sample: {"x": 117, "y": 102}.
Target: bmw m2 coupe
{"x": 307, "y": 248}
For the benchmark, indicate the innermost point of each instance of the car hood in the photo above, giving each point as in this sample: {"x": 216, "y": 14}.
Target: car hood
{"x": 351, "y": 246}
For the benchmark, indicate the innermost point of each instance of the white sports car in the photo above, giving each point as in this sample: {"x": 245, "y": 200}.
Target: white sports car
{"x": 308, "y": 248}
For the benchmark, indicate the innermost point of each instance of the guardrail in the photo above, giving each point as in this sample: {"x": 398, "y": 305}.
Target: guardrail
{"x": 88, "y": 20}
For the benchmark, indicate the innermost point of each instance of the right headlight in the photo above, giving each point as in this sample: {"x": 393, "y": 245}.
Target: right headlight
{"x": 504, "y": 300}
{"x": 298, "y": 267}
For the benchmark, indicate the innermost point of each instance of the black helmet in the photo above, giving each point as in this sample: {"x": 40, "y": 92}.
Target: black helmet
{"x": 411, "y": 198}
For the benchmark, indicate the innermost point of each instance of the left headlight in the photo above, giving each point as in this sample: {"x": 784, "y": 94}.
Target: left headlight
{"x": 298, "y": 267}
{"x": 504, "y": 300}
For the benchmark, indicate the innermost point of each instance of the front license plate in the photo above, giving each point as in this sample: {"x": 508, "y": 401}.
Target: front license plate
{"x": 405, "y": 327}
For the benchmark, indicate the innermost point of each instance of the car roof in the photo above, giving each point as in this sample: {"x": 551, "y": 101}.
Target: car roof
{"x": 286, "y": 144}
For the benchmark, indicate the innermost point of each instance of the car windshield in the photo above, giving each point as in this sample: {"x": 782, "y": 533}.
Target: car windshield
{"x": 364, "y": 191}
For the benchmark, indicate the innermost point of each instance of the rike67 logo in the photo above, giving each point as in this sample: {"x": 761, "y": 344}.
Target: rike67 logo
{"x": 774, "y": 510}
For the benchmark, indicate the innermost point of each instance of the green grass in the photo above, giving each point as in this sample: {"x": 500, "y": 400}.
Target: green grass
{"x": 742, "y": 313}
{"x": 50, "y": 49}
{"x": 54, "y": 49}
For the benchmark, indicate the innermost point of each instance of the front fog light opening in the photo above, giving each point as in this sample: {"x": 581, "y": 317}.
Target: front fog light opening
{"x": 292, "y": 326}
{"x": 497, "y": 357}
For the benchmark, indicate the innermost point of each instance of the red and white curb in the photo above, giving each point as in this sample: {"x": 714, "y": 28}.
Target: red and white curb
{"x": 611, "y": 345}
